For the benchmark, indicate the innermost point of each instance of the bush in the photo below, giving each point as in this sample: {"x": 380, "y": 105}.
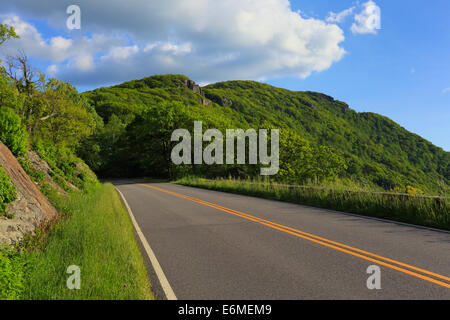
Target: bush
{"x": 8, "y": 192}
{"x": 63, "y": 163}
{"x": 12, "y": 132}
{"x": 11, "y": 275}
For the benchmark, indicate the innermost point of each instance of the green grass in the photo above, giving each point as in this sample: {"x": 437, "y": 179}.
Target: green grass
{"x": 425, "y": 211}
{"x": 95, "y": 233}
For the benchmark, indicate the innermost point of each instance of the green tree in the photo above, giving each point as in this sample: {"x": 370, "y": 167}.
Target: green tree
{"x": 7, "y": 33}
{"x": 149, "y": 137}
{"x": 328, "y": 164}
{"x": 296, "y": 158}
{"x": 57, "y": 117}
{"x": 12, "y": 132}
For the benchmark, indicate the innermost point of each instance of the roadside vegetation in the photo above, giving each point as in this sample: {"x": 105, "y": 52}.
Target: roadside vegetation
{"x": 8, "y": 192}
{"x": 94, "y": 233}
{"x": 47, "y": 120}
{"x": 409, "y": 208}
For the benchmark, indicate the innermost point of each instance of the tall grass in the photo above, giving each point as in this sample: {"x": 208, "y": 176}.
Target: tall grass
{"x": 425, "y": 211}
{"x": 94, "y": 233}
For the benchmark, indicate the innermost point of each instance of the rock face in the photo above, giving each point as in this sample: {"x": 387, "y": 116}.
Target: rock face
{"x": 30, "y": 210}
{"x": 190, "y": 84}
{"x": 221, "y": 101}
{"x": 193, "y": 86}
{"x": 38, "y": 164}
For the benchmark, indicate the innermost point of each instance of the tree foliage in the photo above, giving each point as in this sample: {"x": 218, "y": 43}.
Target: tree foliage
{"x": 7, "y": 33}
{"x": 8, "y": 192}
{"x": 12, "y": 132}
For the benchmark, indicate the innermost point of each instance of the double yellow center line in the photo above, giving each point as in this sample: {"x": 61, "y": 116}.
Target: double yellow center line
{"x": 390, "y": 263}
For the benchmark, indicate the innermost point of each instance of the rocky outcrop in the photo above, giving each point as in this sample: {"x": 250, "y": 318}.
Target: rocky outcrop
{"x": 221, "y": 101}
{"x": 83, "y": 169}
{"x": 344, "y": 107}
{"x": 30, "y": 210}
{"x": 206, "y": 102}
{"x": 38, "y": 164}
{"x": 190, "y": 84}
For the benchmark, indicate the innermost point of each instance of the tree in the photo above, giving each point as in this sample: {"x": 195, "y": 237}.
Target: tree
{"x": 149, "y": 138}
{"x": 12, "y": 132}
{"x": 296, "y": 158}
{"x": 58, "y": 118}
{"x": 9, "y": 95}
{"x": 7, "y": 33}
{"x": 20, "y": 71}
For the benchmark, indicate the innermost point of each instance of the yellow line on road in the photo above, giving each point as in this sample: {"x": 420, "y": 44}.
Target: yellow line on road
{"x": 325, "y": 242}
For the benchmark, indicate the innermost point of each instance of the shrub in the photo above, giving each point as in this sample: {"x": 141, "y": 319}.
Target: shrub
{"x": 8, "y": 192}
{"x": 63, "y": 163}
{"x": 12, "y": 132}
{"x": 11, "y": 275}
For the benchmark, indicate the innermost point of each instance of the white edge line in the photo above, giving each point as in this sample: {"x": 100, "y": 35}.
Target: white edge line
{"x": 170, "y": 295}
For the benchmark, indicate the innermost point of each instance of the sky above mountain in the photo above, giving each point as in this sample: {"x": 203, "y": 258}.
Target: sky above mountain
{"x": 388, "y": 57}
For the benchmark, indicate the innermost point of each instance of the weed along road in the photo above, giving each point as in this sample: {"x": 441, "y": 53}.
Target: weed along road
{"x": 214, "y": 245}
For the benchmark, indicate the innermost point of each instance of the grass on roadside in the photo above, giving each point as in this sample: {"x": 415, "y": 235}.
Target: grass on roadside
{"x": 431, "y": 212}
{"x": 95, "y": 233}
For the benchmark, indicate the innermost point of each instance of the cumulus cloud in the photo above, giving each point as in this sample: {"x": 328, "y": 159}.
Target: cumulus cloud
{"x": 341, "y": 16}
{"x": 52, "y": 70}
{"x": 368, "y": 21}
{"x": 208, "y": 40}
{"x": 73, "y": 53}
{"x": 122, "y": 53}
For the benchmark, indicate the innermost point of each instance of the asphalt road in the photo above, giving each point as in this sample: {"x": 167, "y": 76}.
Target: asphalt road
{"x": 214, "y": 245}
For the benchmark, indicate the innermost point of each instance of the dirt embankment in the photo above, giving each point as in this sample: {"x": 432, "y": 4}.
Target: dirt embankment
{"x": 30, "y": 210}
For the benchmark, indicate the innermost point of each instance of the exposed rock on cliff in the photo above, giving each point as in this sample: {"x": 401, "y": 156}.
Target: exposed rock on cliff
{"x": 193, "y": 86}
{"x": 222, "y": 101}
{"x": 190, "y": 84}
{"x": 38, "y": 164}
{"x": 30, "y": 210}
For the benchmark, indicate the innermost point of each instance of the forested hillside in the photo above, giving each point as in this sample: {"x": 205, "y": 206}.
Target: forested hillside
{"x": 321, "y": 139}
{"x": 43, "y": 121}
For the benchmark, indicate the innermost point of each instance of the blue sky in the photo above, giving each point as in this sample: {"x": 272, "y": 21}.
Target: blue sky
{"x": 400, "y": 71}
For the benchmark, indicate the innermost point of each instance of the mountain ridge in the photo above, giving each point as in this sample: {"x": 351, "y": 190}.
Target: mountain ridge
{"x": 374, "y": 146}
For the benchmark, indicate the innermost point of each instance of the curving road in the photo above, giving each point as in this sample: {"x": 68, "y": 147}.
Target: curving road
{"x": 214, "y": 245}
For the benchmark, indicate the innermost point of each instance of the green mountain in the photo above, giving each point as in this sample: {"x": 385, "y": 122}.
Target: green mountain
{"x": 321, "y": 138}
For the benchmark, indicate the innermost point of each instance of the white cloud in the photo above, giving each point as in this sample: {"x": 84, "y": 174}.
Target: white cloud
{"x": 60, "y": 43}
{"x": 83, "y": 62}
{"x": 208, "y": 40}
{"x": 52, "y": 70}
{"x": 341, "y": 16}
{"x": 122, "y": 53}
{"x": 368, "y": 21}
{"x": 177, "y": 49}
{"x": 80, "y": 52}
